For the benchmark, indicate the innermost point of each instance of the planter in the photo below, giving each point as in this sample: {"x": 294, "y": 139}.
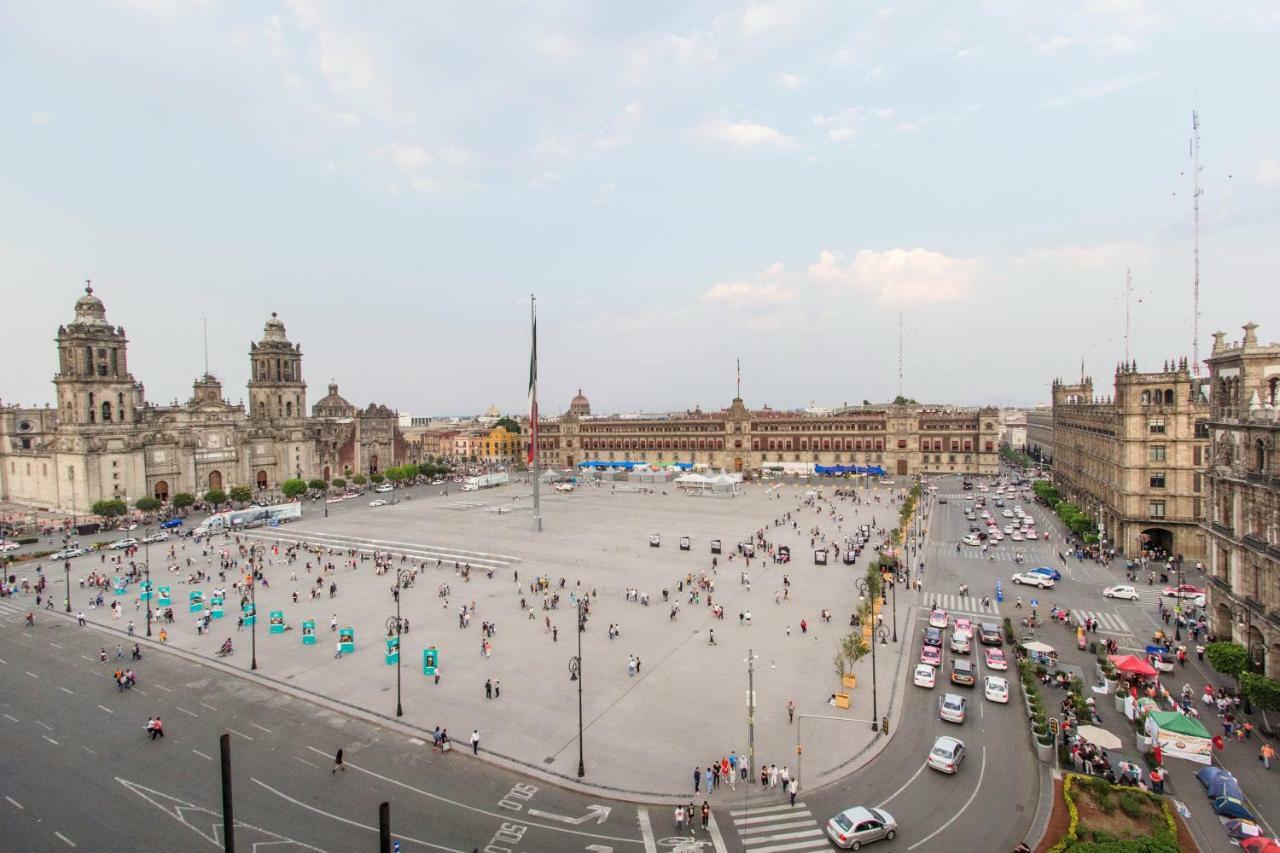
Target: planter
{"x": 1044, "y": 751}
{"x": 1119, "y": 700}
{"x": 842, "y": 700}
{"x": 849, "y": 681}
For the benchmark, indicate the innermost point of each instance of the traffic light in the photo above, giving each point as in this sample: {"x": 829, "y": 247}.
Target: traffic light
{"x": 884, "y": 725}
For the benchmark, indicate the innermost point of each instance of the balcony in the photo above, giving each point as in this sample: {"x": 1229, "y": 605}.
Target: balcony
{"x": 1273, "y": 551}
{"x": 1222, "y": 529}
{"x": 1255, "y": 542}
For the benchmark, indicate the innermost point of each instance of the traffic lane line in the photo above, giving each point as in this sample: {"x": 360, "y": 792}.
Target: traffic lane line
{"x": 68, "y": 841}
{"x": 15, "y": 803}
{"x": 905, "y": 784}
{"x": 976, "y": 788}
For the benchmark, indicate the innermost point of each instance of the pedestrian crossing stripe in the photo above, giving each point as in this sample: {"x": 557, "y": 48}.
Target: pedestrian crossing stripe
{"x": 779, "y": 828}
{"x": 966, "y": 604}
{"x": 465, "y": 505}
{"x": 1109, "y": 623}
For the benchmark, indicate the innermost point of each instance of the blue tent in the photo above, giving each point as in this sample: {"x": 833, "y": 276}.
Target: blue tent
{"x": 1231, "y": 807}
{"x": 1208, "y": 774}
{"x": 1225, "y": 786}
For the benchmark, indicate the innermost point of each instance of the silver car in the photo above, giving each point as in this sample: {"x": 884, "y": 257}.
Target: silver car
{"x": 860, "y": 825}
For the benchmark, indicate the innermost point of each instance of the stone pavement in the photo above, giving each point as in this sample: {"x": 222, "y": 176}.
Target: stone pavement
{"x": 644, "y": 734}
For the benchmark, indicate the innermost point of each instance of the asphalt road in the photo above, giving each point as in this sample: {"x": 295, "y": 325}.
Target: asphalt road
{"x": 78, "y": 770}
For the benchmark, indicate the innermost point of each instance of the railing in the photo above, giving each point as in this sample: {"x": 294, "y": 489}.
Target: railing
{"x": 1219, "y": 527}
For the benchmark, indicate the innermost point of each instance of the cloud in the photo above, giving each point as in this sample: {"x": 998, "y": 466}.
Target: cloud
{"x": 411, "y": 158}
{"x": 1055, "y": 44}
{"x": 899, "y": 277}
{"x": 546, "y": 179}
{"x": 761, "y": 18}
{"x": 744, "y": 135}
{"x": 1268, "y": 174}
{"x": 790, "y": 81}
{"x": 42, "y": 118}
{"x": 768, "y": 288}
{"x": 875, "y": 72}
{"x": 556, "y": 45}
{"x": 616, "y": 132}
{"x": 345, "y": 59}
{"x": 969, "y": 51}
{"x": 844, "y": 125}
{"x": 604, "y": 192}
{"x": 1091, "y": 92}
{"x": 1113, "y": 256}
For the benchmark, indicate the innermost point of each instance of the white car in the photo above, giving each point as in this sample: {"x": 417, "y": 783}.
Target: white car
{"x": 1032, "y": 579}
{"x": 1028, "y": 520}
{"x": 947, "y": 754}
{"x": 1016, "y": 536}
{"x": 1031, "y": 534}
{"x": 8, "y": 545}
{"x": 68, "y": 553}
{"x": 384, "y": 488}
{"x": 952, "y": 707}
{"x": 970, "y": 539}
{"x": 997, "y": 535}
{"x": 1122, "y": 591}
{"x": 121, "y": 544}
{"x": 996, "y": 689}
{"x": 158, "y": 536}
{"x": 1007, "y": 513}
{"x": 925, "y": 675}
{"x": 377, "y": 502}
{"x": 1008, "y": 530}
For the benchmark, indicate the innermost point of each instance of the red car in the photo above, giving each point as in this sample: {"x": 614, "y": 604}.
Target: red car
{"x": 996, "y": 659}
{"x": 931, "y": 655}
{"x": 1184, "y": 591}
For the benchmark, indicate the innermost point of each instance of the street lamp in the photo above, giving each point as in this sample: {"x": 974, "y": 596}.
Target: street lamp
{"x": 147, "y": 565}
{"x": 66, "y": 568}
{"x": 255, "y": 556}
{"x": 881, "y": 633}
{"x": 395, "y": 626}
{"x": 575, "y": 674}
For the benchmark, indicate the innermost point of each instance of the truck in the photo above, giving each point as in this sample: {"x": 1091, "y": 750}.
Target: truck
{"x": 485, "y": 481}
{"x": 254, "y": 516}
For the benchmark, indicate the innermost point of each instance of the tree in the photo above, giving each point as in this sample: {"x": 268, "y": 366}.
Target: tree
{"x": 1227, "y": 658}
{"x": 1261, "y": 691}
{"x": 147, "y": 504}
{"x": 216, "y": 497}
{"x": 903, "y": 401}
{"x": 376, "y": 479}
{"x": 110, "y": 508}
{"x": 410, "y": 470}
{"x": 359, "y": 479}
{"x": 317, "y": 484}
{"x": 395, "y": 475}
{"x": 241, "y": 494}
{"x": 182, "y": 500}
{"x": 293, "y": 488}
{"x": 509, "y": 424}
{"x": 339, "y": 483}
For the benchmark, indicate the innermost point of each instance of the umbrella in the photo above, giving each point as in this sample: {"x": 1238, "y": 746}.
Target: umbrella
{"x": 1037, "y": 646}
{"x": 1133, "y": 666}
{"x": 1098, "y": 737}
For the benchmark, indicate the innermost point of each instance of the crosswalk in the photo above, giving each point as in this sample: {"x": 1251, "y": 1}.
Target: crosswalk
{"x": 1108, "y": 623}
{"x": 1001, "y": 553}
{"x": 966, "y": 604}
{"x": 413, "y": 550}
{"x": 461, "y": 505}
{"x": 774, "y": 829}
{"x": 14, "y": 612}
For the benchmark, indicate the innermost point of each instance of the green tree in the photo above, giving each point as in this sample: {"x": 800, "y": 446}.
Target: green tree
{"x": 241, "y": 494}
{"x": 147, "y": 504}
{"x": 410, "y": 470}
{"x": 359, "y": 479}
{"x": 111, "y": 508}
{"x": 509, "y": 424}
{"x": 1261, "y": 691}
{"x": 1227, "y": 658}
{"x": 216, "y": 497}
{"x": 317, "y": 484}
{"x": 182, "y": 500}
{"x": 339, "y": 483}
{"x": 293, "y": 488}
{"x": 395, "y": 475}
{"x": 903, "y": 401}
{"x": 376, "y": 479}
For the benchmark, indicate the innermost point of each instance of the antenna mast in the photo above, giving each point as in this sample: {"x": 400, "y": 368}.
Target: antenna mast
{"x": 1195, "y": 198}
{"x": 206, "y": 345}
{"x": 1128, "y": 291}
{"x": 899, "y": 353}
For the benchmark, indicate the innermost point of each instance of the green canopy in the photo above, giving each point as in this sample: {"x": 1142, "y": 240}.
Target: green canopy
{"x": 1172, "y": 721}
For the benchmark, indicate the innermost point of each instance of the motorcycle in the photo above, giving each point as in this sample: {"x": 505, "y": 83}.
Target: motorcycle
{"x": 225, "y": 651}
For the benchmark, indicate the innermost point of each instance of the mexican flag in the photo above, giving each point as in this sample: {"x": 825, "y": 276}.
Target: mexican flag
{"x": 533, "y": 387}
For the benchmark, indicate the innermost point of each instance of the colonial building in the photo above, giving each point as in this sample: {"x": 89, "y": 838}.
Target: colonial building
{"x": 104, "y": 440}
{"x": 1135, "y": 462}
{"x": 1013, "y": 428}
{"x": 1040, "y": 433}
{"x": 904, "y": 440}
{"x": 1242, "y": 522}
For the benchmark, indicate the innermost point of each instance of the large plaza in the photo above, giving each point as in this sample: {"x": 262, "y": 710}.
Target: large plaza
{"x": 686, "y": 706}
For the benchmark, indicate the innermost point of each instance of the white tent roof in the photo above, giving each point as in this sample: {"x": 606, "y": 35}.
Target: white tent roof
{"x": 692, "y": 480}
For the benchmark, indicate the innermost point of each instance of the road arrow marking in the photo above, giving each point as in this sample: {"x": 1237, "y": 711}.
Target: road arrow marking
{"x": 600, "y": 813}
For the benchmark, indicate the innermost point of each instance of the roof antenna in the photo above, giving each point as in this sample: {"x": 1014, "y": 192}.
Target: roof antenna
{"x": 205, "y": 320}
{"x": 1128, "y": 291}
{"x": 899, "y": 354}
{"x": 739, "y": 395}
{"x": 1196, "y": 192}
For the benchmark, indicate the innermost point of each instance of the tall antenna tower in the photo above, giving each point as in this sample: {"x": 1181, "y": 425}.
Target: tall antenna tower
{"x": 1128, "y": 291}
{"x": 899, "y": 353}
{"x": 205, "y": 321}
{"x": 1195, "y": 200}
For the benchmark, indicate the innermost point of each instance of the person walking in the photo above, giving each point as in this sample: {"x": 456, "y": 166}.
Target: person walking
{"x": 791, "y": 711}
{"x": 793, "y": 787}
{"x": 679, "y": 819}
{"x": 706, "y": 813}
{"x": 488, "y": 688}
{"x": 80, "y": 619}
{"x": 697, "y": 779}
{"x": 338, "y": 763}
{"x": 475, "y": 741}
{"x": 1266, "y": 755}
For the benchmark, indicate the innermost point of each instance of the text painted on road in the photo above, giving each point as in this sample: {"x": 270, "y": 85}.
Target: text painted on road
{"x": 517, "y": 797}
{"x": 508, "y": 833}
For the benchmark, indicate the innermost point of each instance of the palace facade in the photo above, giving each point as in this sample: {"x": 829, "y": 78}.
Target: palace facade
{"x": 104, "y": 440}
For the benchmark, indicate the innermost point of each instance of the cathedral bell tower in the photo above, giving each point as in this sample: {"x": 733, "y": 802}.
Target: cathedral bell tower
{"x": 93, "y": 382}
{"x": 276, "y": 389}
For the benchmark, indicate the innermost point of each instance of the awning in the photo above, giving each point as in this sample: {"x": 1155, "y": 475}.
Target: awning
{"x": 1131, "y": 665}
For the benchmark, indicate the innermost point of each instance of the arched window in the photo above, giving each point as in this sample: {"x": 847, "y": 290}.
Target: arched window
{"x": 1146, "y": 398}
{"x": 1168, "y": 396}
{"x": 262, "y": 479}
{"x": 215, "y": 480}
{"x": 288, "y": 409}
{"x": 106, "y": 413}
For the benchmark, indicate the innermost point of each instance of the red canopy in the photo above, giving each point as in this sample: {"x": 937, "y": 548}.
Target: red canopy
{"x": 1260, "y": 845}
{"x": 1133, "y": 665}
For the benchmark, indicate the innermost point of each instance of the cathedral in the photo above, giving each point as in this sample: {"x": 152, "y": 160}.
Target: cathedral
{"x": 104, "y": 440}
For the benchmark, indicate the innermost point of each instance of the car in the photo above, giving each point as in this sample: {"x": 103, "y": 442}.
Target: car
{"x": 1047, "y": 572}
{"x": 942, "y": 499}
{"x": 964, "y": 623}
{"x": 933, "y": 636}
{"x": 985, "y": 514}
{"x": 962, "y": 673}
{"x": 377, "y": 502}
{"x": 1122, "y": 591}
{"x": 946, "y": 754}
{"x": 8, "y": 545}
{"x": 931, "y": 655}
{"x": 997, "y": 535}
{"x": 1163, "y": 662}
{"x": 860, "y": 825}
{"x": 128, "y": 525}
{"x": 336, "y": 499}
{"x": 1007, "y": 529}
{"x": 171, "y": 523}
{"x": 937, "y": 618}
{"x": 1007, "y": 513}
{"x": 969, "y": 539}
{"x": 384, "y": 488}
{"x": 961, "y": 643}
{"x": 437, "y": 482}
{"x": 996, "y": 689}
{"x": 158, "y": 536}
{"x": 1029, "y": 579}
{"x": 969, "y": 516}
{"x": 1031, "y": 534}
{"x": 121, "y": 544}
{"x": 924, "y": 675}
{"x": 952, "y": 707}
{"x": 68, "y": 553}
{"x": 989, "y": 634}
{"x": 1016, "y": 536}
{"x": 1186, "y": 590}
{"x": 1017, "y": 510}
{"x": 996, "y": 659}
{"x": 1029, "y": 520}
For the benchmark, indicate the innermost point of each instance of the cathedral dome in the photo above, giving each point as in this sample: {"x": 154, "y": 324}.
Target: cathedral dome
{"x": 274, "y": 329}
{"x": 579, "y": 405}
{"x": 333, "y": 405}
{"x": 89, "y": 309}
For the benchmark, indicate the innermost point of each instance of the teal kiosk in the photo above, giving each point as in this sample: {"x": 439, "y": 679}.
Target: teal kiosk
{"x": 145, "y": 592}
{"x": 347, "y": 637}
{"x": 195, "y": 600}
{"x": 215, "y": 606}
{"x": 164, "y": 600}
{"x": 393, "y": 650}
{"x": 249, "y": 613}
{"x": 119, "y": 585}
{"x": 277, "y": 621}
{"x": 430, "y": 661}
{"x": 309, "y": 632}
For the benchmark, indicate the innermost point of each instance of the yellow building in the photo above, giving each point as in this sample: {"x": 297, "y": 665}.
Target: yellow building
{"x": 500, "y": 445}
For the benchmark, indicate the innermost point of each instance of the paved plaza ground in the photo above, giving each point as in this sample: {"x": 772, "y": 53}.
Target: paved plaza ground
{"x": 644, "y": 734}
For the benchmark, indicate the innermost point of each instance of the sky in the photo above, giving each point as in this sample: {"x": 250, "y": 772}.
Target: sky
{"x": 681, "y": 184}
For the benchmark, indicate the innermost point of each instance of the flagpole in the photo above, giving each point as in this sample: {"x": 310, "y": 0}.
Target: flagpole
{"x": 533, "y": 415}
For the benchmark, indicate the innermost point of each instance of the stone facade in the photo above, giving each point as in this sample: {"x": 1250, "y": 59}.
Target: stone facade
{"x": 1136, "y": 462}
{"x": 1040, "y": 433}
{"x": 904, "y": 440}
{"x": 1242, "y": 519}
{"x": 105, "y": 441}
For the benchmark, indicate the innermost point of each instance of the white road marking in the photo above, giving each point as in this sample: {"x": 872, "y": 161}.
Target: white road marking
{"x": 45, "y": 726}
{"x": 105, "y": 708}
{"x": 88, "y": 750}
{"x": 185, "y": 711}
{"x": 976, "y": 788}
{"x": 308, "y": 763}
{"x": 783, "y": 827}
{"x": 268, "y": 731}
{"x": 86, "y": 657}
{"x": 51, "y": 740}
{"x": 348, "y": 821}
{"x": 241, "y": 734}
{"x": 5, "y": 662}
{"x": 202, "y": 755}
{"x": 759, "y": 818}
{"x": 165, "y": 689}
{"x": 11, "y": 717}
{"x": 55, "y": 645}
{"x": 15, "y": 802}
{"x": 32, "y": 674}
{"x": 68, "y": 841}
{"x": 882, "y": 803}
{"x": 210, "y": 707}
{"x": 716, "y": 838}
{"x": 646, "y": 831}
{"x": 65, "y": 690}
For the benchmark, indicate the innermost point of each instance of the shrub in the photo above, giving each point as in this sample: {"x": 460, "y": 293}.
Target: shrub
{"x": 182, "y": 500}
{"x": 217, "y": 497}
{"x": 241, "y": 494}
{"x": 359, "y": 479}
{"x": 1008, "y": 630}
{"x": 293, "y": 488}
{"x": 1133, "y": 804}
{"x": 1227, "y": 658}
{"x": 147, "y": 504}
{"x": 339, "y": 483}
{"x": 110, "y": 508}
{"x": 317, "y": 484}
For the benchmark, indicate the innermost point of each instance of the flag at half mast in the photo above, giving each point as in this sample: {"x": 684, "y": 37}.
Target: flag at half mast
{"x": 533, "y": 385}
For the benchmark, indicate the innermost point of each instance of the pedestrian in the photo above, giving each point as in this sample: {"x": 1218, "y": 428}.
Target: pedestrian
{"x": 711, "y": 635}
{"x": 80, "y": 619}
{"x": 338, "y": 764}
{"x": 337, "y": 652}
{"x": 1266, "y": 754}
{"x": 679, "y": 818}
{"x": 706, "y": 813}
{"x": 792, "y": 788}
{"x": 497, "y": 688}
{"x": 697, "y": 779}
{"x": 791, "y": 711}
{"x": 488, "y": 688}
{"x": 475, "y": 741}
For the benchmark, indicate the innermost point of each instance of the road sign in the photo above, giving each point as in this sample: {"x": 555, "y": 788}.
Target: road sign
{"x": 1035, "y": 603}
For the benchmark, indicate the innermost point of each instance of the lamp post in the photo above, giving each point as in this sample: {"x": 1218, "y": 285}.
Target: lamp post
{"x": 575, "y": 674}
{"x": 147, "y": 569}
{"x": 396, "y": 625}
{"x": 255, "y": 555}
{"x": 881, "y": 633}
